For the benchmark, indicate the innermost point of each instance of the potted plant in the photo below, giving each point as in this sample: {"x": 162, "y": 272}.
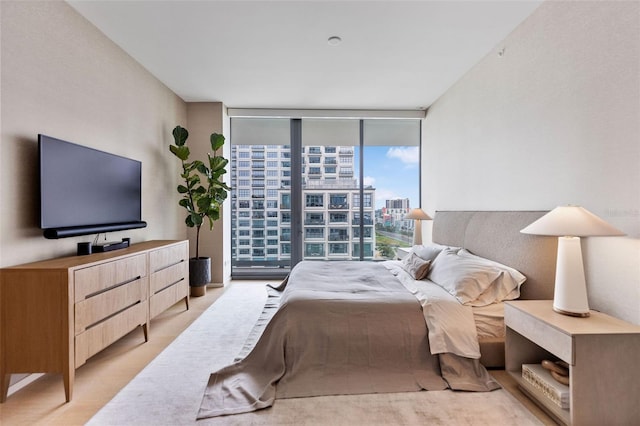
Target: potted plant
{"x": 203, "y": 193}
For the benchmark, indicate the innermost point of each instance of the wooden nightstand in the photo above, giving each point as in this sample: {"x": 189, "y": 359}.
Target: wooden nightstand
{"x": 603, "y": 353}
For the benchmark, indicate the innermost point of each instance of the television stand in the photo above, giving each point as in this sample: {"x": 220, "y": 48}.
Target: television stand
{"x": 58, "y": 313}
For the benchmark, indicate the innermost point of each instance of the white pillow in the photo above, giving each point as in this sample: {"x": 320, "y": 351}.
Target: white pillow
{"x": 429, "y": 251}
{"x": 507, "y": 287}
{"x": 473, "y": 280}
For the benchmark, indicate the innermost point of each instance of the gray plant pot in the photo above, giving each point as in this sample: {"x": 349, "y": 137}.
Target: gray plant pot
{"x": 199, "y": 271}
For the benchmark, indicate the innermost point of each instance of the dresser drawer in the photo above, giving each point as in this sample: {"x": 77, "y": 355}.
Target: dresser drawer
{"x": 94, "y": 279}
{"x": 160, "y": 301}
{"x": 168, "y": 256}
{"x": 101, "y": 335}
{"x": 94, "y": 309}
{"x": 168, "y": 277}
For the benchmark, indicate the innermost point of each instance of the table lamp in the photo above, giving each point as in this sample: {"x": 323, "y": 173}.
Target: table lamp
{"x": 569, "y": 223}
{"x": 418, "y": 215}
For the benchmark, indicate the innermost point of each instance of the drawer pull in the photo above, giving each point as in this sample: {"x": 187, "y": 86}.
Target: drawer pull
{"x": 169, "y": 285}
{"x": 104, "y": 290}
{"x": 169, "y": 265}
{"x": 112, "y": 315}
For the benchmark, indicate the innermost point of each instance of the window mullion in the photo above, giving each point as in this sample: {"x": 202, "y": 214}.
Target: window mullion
{"x": 361, "y": 190}
{"x": 296, "y": 191}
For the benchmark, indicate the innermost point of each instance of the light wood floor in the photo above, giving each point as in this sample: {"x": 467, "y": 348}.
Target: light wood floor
{"x": 100, "y": 379}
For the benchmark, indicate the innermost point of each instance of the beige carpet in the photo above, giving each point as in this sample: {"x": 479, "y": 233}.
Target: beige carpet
{"x": 169, "y": 390}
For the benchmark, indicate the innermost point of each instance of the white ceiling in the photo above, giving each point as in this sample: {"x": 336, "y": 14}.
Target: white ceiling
{"x": 274, "y": 54}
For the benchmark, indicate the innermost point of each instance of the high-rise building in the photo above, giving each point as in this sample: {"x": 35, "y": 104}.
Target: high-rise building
{"x": 398, "y": 204}
{"x": 394, "y": 212}
{"x": 331, "y": 205}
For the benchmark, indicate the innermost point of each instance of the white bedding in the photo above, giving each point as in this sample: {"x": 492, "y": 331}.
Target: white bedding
{"x": 451, "y": 325}
{"x": 489, "y": 321}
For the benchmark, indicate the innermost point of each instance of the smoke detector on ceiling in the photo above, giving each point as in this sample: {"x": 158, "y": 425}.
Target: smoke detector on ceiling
{"x": 334, "y": 40}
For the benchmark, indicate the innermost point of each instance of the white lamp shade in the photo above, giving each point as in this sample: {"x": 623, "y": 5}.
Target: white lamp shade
{"x": 417, "y": 214}
{"x": 571, "y": 221}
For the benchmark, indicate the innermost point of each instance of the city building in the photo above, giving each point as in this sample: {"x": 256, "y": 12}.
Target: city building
{"x": 332, "y": 209}
{"x": 392, "y": 215}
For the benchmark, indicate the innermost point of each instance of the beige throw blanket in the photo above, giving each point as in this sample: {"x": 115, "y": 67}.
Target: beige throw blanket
{"x": 341, "y": 328}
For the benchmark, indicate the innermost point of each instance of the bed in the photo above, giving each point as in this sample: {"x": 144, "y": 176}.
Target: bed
{"x": 360, "y": 327}
{"x": 496, "y": 235}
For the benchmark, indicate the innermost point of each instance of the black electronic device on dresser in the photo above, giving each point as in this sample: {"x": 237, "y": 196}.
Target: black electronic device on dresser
{"x": 86, "y": 191}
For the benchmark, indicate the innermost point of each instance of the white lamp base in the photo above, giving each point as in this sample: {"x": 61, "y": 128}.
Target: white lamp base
{"x": 570, "y": 294}
{"x": 417, "y": 233}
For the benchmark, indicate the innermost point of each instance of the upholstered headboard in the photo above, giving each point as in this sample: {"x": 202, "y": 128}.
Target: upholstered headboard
{"x": 496, "y": 235}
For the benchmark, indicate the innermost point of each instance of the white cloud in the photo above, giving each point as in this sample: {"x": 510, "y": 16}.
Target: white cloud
{"x": 369, "y": 180}
{"x": 409, "y": 156}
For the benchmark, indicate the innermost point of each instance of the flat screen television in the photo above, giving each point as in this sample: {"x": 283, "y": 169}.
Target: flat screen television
{"x": 87, "y": 191}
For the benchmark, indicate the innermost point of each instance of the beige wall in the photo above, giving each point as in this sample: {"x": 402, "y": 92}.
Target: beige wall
{"x": 554, "y": 121}
{"x": 62, "y": 77}
{"x": 204, "y": 118}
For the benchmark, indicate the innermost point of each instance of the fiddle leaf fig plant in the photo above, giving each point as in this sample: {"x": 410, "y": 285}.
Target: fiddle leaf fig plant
{"x": 203, "y": 191}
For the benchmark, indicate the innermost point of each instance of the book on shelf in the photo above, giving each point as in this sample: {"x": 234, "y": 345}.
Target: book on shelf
{"x": 541, "y": 379}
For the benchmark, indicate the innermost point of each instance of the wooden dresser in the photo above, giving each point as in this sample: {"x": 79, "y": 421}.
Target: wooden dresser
{"x": 57, "y": 313}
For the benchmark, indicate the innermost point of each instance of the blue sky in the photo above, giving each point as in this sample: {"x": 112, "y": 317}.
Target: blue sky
{"x": 393, "y": 171}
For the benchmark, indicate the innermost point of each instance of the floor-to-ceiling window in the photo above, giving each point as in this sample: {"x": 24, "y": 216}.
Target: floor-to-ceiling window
{"x": 331, "y": 189}
{"x": 261, "y": 194}
{"x": 391, "y": 164}
{"x": 320, "y": 189}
